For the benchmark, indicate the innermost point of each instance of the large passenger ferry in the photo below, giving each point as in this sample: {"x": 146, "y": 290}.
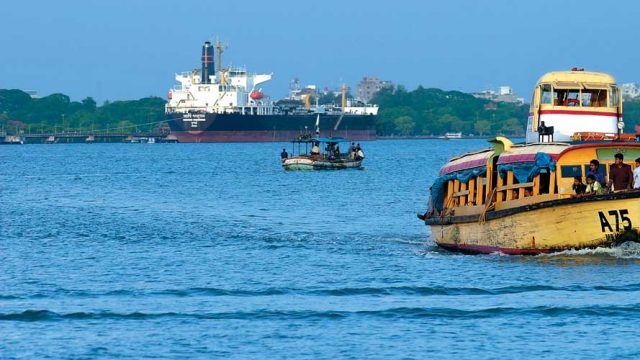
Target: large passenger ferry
{"x": 216, "y": 104}
{"x": 522, "y": 199}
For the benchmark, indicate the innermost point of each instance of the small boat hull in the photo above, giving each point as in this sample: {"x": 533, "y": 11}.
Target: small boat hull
{"x": 557, "y": 225}
{"x": 309, "y": 163}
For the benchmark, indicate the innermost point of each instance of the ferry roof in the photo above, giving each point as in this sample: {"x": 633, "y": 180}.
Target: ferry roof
{"x": 467, "y": 161}
{"x": 580, "y": 79}
{"x": 527, "y": 152}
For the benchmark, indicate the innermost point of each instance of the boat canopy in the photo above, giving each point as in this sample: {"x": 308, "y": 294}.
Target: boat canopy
{"x": 320, "y": 139}
{"x": 528, "y": 161}
{"x": 467, "y": 161}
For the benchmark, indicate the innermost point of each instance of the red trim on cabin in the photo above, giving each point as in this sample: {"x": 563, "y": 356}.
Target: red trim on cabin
{"x": 612, "y": 144}
{"x": 463, "y": 166}
{"x": 508, "y": 159}
{"x": 574, "y": 112}
{"x": 482, "y": 249}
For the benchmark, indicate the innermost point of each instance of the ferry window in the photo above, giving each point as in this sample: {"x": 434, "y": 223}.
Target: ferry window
{"x": 564, "y": 97}
{"x": 594, "y": 98}
{"x": 615, "y": 99}
{"x": 545, "y": 94}
{"x": 602, "y": 169}
{"x": 569, "y": 171}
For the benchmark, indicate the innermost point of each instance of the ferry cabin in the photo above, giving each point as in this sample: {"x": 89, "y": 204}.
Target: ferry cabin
{"x": 572, "y": 102}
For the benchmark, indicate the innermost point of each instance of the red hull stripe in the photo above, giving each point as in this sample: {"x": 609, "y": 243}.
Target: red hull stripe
{"x": 573, "y": 112}
{"x": 481, "y": 249}
{"x": 262, "y": 136}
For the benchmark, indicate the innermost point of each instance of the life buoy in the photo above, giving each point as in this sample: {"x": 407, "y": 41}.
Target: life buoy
{"x": 572, "y": 102}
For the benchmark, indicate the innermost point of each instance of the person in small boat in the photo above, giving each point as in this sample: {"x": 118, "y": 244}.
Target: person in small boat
{"x": 352, "y": 151}
{"x": 284, "y": 154}
{"x": 315, "y": 150}
{"x": 636, "y": 175}
{"x": 359, "y": 154}
{"x": 594, "y": 165}
{"x": 620, "y": 175}
{"x": 593, "y": 186}
{"x": 578, "y": 186}
{"x": 336, "y": 152}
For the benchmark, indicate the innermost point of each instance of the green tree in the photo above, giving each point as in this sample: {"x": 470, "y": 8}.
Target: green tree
{"x": 405, "y": 125}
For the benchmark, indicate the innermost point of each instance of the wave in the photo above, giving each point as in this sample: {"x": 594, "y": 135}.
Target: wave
{"x": 330, "y": 292}
{"x": 400, "y": 312}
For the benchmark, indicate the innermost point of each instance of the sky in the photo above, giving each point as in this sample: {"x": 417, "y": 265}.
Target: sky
{"x": 119, "y": 50}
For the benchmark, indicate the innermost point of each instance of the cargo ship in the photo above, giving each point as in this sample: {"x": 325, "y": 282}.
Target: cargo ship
{"x": 216, "y": 104}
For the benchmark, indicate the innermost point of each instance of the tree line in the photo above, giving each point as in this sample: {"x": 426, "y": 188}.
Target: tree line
{"x": 402, "y": 113}
{"x": 56, "y": 112}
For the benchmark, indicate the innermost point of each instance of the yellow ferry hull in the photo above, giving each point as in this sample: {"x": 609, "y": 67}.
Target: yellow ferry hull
{"x": 551, "y": 226}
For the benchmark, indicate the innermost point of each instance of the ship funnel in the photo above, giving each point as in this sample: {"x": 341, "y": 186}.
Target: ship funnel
{"x": 207, "y": 63}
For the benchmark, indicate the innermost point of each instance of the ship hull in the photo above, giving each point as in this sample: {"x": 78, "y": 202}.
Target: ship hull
{"x": 208, "y": 127}
{"x": 558, "y": 225}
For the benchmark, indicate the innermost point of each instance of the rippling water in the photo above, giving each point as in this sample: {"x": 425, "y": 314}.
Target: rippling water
{"x": 212, "y": 250}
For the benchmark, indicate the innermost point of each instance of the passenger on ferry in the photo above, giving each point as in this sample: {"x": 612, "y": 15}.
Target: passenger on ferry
{"x": 578, "y": 186}
{"x": 514, "y": 194}
{"x": 620, "y": 175}
{"x": 594, "y": 165}
{"x": 528, "y": 192}
{"x": 284, "y": 154}
{"x": 593, "y": 187}
{"x": 636, "y": 175}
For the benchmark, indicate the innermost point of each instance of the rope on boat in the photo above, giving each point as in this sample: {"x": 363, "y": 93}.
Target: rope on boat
{"x": 489, "y": 205}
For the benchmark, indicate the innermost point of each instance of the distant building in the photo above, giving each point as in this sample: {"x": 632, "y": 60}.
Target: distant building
{"x": 504, "y": 94}
{"x": 630, "y": 90}
{"x": 369, "y": 86}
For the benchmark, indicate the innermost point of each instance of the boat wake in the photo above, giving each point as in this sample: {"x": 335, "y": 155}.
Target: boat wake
{"x": 626, "y": 250}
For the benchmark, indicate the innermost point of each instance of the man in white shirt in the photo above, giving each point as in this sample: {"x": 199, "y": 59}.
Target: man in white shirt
{"x": 636, "y": 175}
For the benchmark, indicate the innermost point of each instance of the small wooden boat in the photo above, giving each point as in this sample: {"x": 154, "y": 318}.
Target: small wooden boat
{"x": 319, "y": 153}
{"x": 522, "y": 198}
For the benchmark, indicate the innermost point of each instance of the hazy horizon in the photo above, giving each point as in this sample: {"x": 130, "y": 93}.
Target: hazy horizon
{"x": 127, "y": 50}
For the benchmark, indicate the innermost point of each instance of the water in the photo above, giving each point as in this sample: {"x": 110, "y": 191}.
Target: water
{"x": 212, "y": 250}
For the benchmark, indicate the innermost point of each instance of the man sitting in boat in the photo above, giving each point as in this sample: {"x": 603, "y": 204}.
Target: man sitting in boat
{"x": 593, "y": 187}
{"x": 594, "y": 166}
{"x": 284, "y": 155}
{"x": 620, "y": 175}
{"x": 315, "y": 150}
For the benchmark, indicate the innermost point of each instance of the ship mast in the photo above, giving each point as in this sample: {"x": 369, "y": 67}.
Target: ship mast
{"x": 220, "y": 48}
{"x": 344, "y": 96}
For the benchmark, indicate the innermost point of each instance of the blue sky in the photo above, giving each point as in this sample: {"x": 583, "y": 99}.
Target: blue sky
{"x": 115, "y": 50}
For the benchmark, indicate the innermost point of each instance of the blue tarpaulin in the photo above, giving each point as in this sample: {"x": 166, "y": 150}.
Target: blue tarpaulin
{"x": 525, "y": 172}
{"x": 438, "y": 187}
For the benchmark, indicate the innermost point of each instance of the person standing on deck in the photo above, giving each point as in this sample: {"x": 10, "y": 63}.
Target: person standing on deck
{"x": 620, "y": 174}
{"x": 594, "y": 165}
{"x": 636, "y": 175}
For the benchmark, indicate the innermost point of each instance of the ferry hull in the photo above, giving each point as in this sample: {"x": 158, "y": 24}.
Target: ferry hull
{"x": 297, "y": 163}
{"x": 547, "y": 227}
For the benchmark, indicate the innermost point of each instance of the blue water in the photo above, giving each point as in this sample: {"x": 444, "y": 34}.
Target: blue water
{"x": 212, "y": 250}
